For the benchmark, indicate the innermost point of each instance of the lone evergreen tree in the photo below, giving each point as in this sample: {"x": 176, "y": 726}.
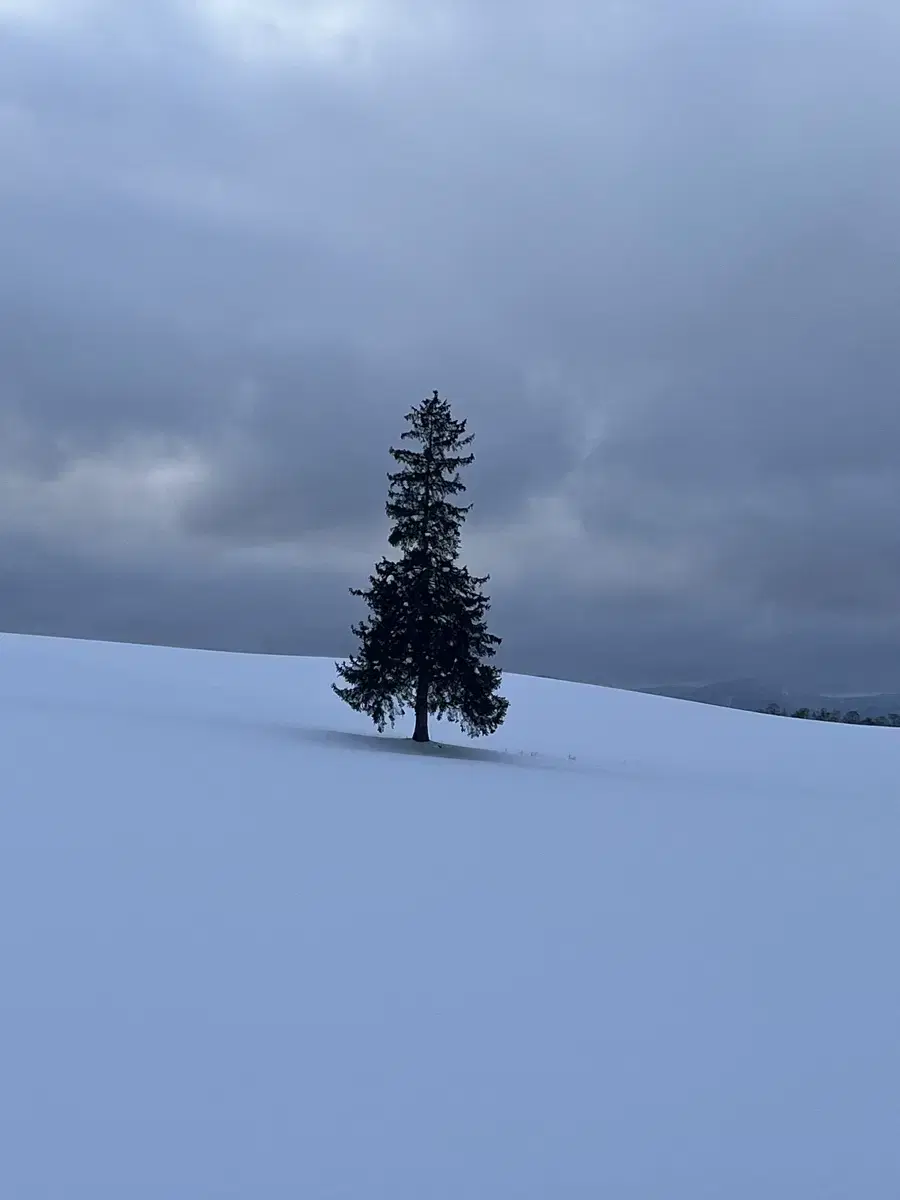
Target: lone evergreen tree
{"x": 423, "y": 645}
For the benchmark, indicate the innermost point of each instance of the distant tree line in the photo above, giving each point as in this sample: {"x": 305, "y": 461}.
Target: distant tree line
{"x": 892, "y": 720}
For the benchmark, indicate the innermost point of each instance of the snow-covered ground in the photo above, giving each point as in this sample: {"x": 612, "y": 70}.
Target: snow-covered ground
{"x": 627, "y": 948}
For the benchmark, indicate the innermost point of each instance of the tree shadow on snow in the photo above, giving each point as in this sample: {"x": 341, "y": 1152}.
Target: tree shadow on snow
{"x": 384, "y": 743}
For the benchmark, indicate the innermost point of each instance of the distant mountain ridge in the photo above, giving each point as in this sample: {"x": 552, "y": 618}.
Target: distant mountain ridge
{"x": 752, "y": 695}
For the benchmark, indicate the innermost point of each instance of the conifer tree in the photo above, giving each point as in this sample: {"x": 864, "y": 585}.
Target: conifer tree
{"x": 424, "y": 643}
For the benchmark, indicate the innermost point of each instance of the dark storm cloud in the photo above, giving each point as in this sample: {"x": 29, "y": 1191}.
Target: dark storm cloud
{"x": 648, "y": 249}
{"x": 312, "y": 453}
{"x": 46, "y": 589}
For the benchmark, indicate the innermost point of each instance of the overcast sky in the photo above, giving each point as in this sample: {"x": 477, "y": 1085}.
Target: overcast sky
{"x": 649, "y": 249}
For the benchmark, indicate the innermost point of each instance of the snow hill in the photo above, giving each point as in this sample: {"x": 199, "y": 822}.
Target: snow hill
{"x": 627, "y": 948}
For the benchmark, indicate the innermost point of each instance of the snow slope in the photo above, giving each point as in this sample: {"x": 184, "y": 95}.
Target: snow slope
{"x": 250, "y": 950}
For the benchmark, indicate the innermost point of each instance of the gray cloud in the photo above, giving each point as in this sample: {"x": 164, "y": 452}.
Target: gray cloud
{"x": 45, "y": 590}
{"x": 312, "y": 453}
{"x": 648, "y": 250}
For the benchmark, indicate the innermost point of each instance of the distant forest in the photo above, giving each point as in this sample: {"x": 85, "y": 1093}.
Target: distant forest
{"x": 892, "y": 720}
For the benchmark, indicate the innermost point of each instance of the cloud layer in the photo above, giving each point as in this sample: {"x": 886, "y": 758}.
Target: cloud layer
{"x": 648, "y": 250}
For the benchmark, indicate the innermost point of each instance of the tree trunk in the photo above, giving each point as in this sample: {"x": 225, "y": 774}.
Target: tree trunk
{"x": 421, "y": 730}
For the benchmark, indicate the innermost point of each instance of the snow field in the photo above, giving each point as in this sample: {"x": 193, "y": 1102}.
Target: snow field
{"x": 627, "y": 947}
